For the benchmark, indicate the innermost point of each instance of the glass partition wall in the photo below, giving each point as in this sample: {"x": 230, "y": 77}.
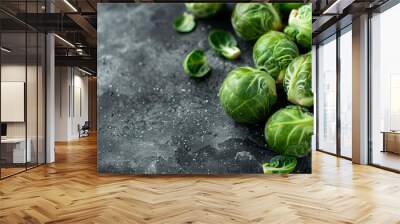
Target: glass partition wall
{"x": 22, "y": 77}
{"x": 334, "y": 93}
{"x": 385, "y": 89}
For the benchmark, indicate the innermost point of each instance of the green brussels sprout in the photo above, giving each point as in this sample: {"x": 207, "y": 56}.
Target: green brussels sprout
{"x": 247, "y": 95}
{"x": 300, "y": 26}
{"x": 286, "y": 8}
{"x": 280, "y": 165}
{"x": 273, "y": 52}
{"x": 289, "y": 130}
{"x": 204, "y": 10}
{"x": 195, "y": 64}
{"x": 184, "y": 23}
{"x": 224, "y": 44}
{"x": 298, "y": 81}
{"x": 251, "y": 20}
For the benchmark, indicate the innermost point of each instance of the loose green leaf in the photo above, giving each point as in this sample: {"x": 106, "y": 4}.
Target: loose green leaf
{"x": 273, "y": 52}
{"x": 251, "y": 20}
{"x": 195, "y": 64}
{"x": 289, "y": 130}
{"x": 300, "y": 26}
{"x": 298, "y": 81}
{"x": 204, "y": 10}
{"x": 280, "y": 165}
{"x": 247, "y": 95}
{"x": 224, "y": 43}
{"x": 184, "y": 23}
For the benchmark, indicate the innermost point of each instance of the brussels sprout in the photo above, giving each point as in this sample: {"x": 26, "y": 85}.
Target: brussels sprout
{"x": 298, "y": 81}
{"x": 289, "y": 130}
{"x": 299, "y": 27}
{"x": 286, "y": 8}
{"x": 247, "y": 95}
{"x": 184, "y": 23}
{"x": 273, "y": 52}
{"x": 280, "y": 165}
{"x": 203, "y": 10}
{"x": 251, "y": 20}
{"x": 224, "y": 44}
{"x": 195, "y": 64}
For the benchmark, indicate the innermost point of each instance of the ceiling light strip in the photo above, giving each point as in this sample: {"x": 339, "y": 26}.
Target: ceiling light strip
{"x": 70, "y": 5}
{"x": 65, "y": 41}
{"x": 84, "y": 71}
{"x": 5, "y": 50}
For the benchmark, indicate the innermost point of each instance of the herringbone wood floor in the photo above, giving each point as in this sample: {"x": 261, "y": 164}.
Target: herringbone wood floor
{"x": 70, "y": 191}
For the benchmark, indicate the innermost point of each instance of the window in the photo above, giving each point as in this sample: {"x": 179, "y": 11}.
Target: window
{"x": 385, "y": 89}
{"x": 327, "y": 95}
{"x": 346, "y": 92}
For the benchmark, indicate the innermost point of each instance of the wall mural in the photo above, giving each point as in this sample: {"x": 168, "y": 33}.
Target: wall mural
{"x": 204, "y": 88}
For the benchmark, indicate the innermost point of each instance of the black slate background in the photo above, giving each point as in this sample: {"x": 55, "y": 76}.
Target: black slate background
{"x": 153, "y": 118}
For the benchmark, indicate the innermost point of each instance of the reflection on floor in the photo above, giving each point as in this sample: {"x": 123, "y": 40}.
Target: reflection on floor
{"x": 387, "y": 159}
{"x": 71, "y": 191}
{"x": 11, "y": 169}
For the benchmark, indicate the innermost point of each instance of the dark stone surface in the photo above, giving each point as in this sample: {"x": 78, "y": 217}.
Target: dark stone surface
{"x": 153, "y": 118}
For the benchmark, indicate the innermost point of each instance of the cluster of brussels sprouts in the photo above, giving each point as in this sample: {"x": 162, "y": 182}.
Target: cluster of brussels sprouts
{"x": 282, "y": 60}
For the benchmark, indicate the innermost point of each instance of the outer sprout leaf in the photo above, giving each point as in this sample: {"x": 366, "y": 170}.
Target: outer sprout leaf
{"x": 289, "y": 130}
{"x": 184, "y": 23}
{"x": 247, "y": 95}
{"x": 298, "y": 81}
{"x": 204, "y": 10}
{"x": 195, "y": 64}
{"x": 251, "y": 20}
{"x": 224, "y": 44}
{"x": 280, "y": 165}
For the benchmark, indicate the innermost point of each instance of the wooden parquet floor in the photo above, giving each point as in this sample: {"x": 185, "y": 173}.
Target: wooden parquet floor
{"x": 70, "y": 191}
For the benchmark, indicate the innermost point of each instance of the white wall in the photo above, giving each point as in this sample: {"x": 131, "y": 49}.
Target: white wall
{"x": 70, "y": 83}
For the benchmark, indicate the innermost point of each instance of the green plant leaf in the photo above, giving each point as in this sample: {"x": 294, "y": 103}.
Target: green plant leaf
{"x": 280, "y": 165}
{"x": 195, "y": 64}
{"x": 224, "y": 44}
{"x": 184, "y": 23}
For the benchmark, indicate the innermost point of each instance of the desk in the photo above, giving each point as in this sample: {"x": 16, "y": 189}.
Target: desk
{"x": 18, "y": 150}
{"x": 391, "y": 141}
